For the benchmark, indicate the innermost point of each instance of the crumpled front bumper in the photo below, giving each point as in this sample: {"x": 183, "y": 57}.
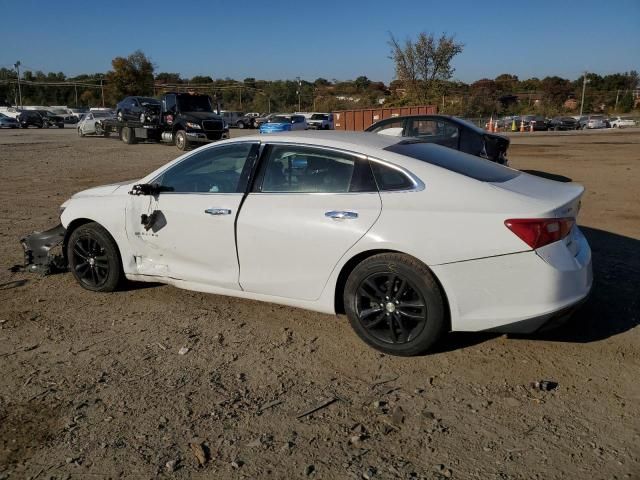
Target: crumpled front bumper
{"x": 43, "y": 251}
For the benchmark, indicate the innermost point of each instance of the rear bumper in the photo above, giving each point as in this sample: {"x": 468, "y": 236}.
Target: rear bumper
{"x": 520, "y": 292}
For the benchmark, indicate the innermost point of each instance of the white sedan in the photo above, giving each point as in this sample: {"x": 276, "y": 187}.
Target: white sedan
{"x": 409, "y": 239}
{"x": 91, "y": 123}
{"x": 621, "y": 122}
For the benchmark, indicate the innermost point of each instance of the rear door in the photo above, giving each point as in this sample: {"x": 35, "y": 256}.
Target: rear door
{"x": 308, "y": 207}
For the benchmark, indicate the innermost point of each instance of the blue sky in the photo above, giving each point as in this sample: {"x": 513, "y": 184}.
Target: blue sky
{"x": 273, "y": 39}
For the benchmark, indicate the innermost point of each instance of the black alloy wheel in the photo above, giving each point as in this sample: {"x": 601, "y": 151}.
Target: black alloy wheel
{"x": 390, "y": 308}
{"x": 93, "y": 258}
{"x": 395, "y": 304}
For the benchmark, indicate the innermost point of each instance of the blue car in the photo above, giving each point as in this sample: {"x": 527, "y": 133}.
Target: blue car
{"x": 284, "y": 123}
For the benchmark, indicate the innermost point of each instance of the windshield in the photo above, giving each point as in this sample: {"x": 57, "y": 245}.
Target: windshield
{"x": 319, "y": 116}
{"x": 194, "y": 103}
{"x": 455, "y": 161}
{"x": 279, "y": 120}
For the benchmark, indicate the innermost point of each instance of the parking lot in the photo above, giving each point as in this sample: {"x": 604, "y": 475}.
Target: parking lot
{"x": 93, "y": 386}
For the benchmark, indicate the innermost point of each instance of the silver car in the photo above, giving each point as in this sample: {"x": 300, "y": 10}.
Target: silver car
{"x": 91, "y": 123}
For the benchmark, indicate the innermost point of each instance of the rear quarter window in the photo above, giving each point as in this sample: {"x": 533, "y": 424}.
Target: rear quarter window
{"x": 454, "y": 161}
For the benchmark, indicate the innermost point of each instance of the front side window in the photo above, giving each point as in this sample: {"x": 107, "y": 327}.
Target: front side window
{"x": 213, "y": 170}
{"x": 296, "y": 169}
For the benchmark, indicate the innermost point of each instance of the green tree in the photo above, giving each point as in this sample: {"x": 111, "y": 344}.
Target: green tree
{"x": 424, "y": 64}
{"x": 132, "y": 75}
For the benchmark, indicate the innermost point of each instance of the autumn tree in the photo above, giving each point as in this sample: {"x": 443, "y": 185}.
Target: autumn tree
{"x": 132, "y": 75}
{"x": 424, "y": 65}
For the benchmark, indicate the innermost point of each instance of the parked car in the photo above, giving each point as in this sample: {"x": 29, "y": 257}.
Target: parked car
{"x": 52, "y": 120}
{"x": 284, "y": 123}
{"x": 234, "y": 119}
{"x": 321, "y": 121}
{"x": 246, "y": 121}
{"x": 409, "y": 238}
{"x": 32, "y": 118}
{"x": 8, "y": 122}
{"x": 563, "y": 123}
{"x": 538, "y": 121}
{"x": 621, "y": 122}
{"x": 592, "y": 121}
{"x": 141, "y": 109}
{"x": 448, "y": 131}
{"x": 91, "y": 124}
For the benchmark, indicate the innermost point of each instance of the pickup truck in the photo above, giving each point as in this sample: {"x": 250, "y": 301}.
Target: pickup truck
{"x": 185, "y": 120}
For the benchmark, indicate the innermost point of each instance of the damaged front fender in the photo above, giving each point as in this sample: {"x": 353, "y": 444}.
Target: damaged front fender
{"x": 43, "y": 251}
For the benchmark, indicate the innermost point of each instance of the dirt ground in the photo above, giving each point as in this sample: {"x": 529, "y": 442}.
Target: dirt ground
{"x": 92, "y": 385}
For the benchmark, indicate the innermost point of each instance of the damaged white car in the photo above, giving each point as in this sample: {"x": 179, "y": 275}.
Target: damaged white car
{"x": 408, "y": 238}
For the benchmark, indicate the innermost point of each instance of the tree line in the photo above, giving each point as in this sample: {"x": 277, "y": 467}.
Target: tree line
{"x": 423, "y": 71}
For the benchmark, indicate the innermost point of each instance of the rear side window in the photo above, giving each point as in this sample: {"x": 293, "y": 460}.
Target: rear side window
{"x": 458, "y": 162}
{"x": 389, "y": 178}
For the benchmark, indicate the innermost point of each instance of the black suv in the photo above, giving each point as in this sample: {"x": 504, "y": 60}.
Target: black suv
{"x": 32, "y": 118}
{"x": 139, "y": 109}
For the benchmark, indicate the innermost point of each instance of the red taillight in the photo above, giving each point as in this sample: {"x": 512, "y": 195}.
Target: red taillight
{"x": 538, "y": 232}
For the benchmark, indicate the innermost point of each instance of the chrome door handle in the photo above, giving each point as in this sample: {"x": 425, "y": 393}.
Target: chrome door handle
{"x": 218, "y": 211}
{"x": 341, "y": 215}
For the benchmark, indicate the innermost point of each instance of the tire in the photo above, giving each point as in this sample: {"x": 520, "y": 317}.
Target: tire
{"x": 94, "y": 259}
{"x": 98, "y": 129}
{"x": 80, "y": 134}
{"x": 412, "y": 316}
{"x": 181, "y": 140}
{"x": 240, "y": 124}
{"x": 127, "y": 135}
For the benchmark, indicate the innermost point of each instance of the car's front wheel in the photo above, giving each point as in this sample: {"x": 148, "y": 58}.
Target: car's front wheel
{"x": 240, "y": 124}
{"x": 395, "y": 304}
{"x": 94, "y": 259}
{"x": 181, "y": 140}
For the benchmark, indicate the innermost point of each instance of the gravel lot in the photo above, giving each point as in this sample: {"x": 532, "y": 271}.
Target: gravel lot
{"x": 92, "y": 385}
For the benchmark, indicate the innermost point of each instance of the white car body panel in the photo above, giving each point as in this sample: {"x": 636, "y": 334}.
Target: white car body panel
{"x": 291, "y": 235}
{"x": 290, "y": 253}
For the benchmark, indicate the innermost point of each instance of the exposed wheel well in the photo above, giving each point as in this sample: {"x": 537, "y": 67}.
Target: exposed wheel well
{"x": 353, "y": 262}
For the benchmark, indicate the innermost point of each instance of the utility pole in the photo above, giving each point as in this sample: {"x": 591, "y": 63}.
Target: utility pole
{"x": 240, "y": 98}
{"x": 75, "y": 88}
{"x": 584, "y": 86}
{"x": 617, "y": 96}
{"x": 298, "y": 92}
{"x": 17, "y": 65}
{"x": 102, "y": 90}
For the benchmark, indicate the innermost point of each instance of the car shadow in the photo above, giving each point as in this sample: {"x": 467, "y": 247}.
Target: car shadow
{"x": 13, "y": 284}
{"x": 548, "y": 175}
{"x": 612, "y": 308}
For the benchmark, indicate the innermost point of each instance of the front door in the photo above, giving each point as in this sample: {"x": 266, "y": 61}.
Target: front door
{"x": 308, "y": 207}
{"x": 187, "y": 232}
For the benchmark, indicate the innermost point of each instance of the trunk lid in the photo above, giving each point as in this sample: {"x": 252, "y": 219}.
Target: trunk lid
{"x": 553, "y": 198}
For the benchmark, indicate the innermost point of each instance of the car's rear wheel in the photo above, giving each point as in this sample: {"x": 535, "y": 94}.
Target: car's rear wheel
{"x": 240, "y": 124}
{"x": 128, "y": 136}
{"x": 395, "y": 304}
{"x": 94, "y": 259}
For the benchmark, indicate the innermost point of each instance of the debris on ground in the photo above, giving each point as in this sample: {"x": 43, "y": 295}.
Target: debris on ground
{"x": 545, "y": 385}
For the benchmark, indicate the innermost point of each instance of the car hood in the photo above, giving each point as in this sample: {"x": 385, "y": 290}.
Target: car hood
{"x": 104, "y": 190}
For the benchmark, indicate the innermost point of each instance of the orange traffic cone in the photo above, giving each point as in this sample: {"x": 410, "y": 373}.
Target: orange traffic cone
{"x": 490, "y": 126}
{"x": 522, "y": 124}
